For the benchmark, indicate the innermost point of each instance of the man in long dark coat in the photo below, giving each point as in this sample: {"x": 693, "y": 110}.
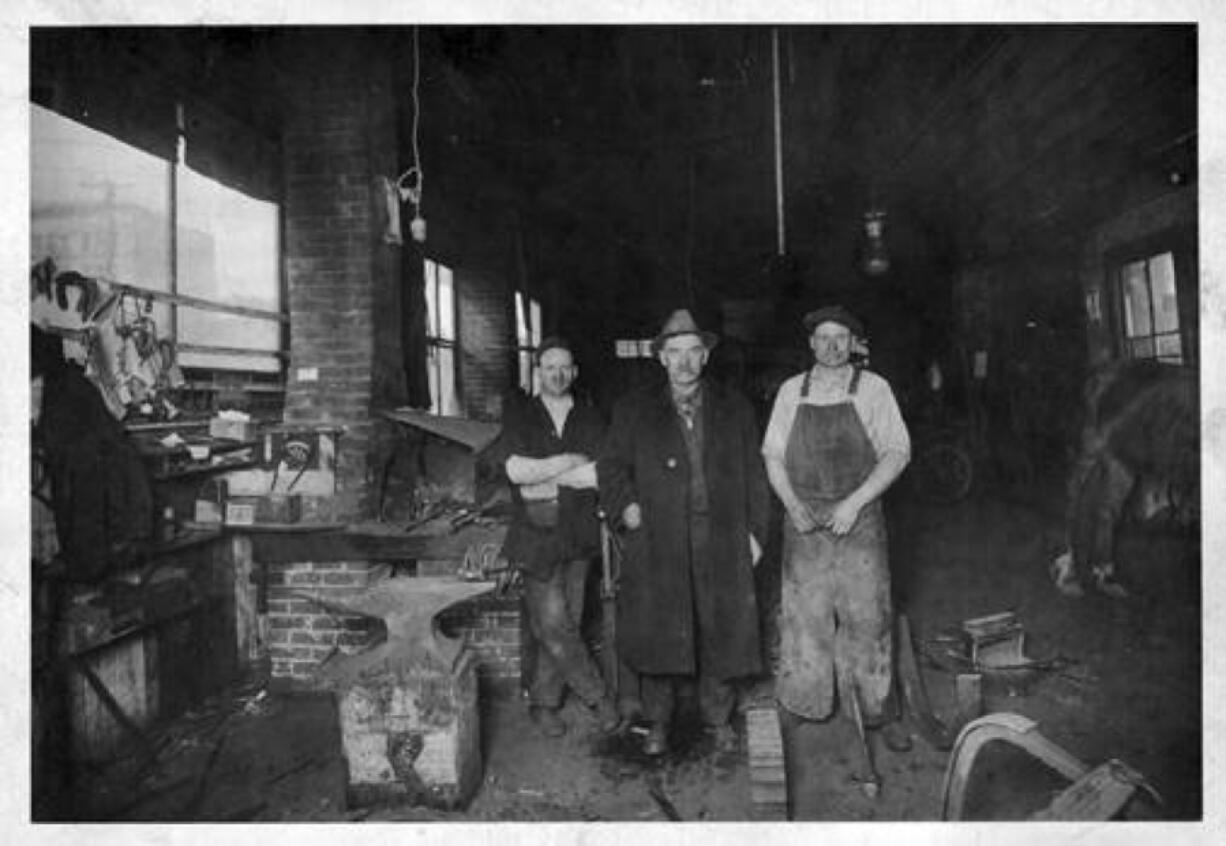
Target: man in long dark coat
{"x": 681, "y": 467}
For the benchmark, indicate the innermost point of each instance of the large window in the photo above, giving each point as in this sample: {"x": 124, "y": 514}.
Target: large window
{"x": 441, "y": 338}
{"x": 527, "y": 338}
{"x": 227, "y": 252}
{"x": 98, "y": 206}
{"x": 1149, "y": 308}
{"x": 204, "y": 257}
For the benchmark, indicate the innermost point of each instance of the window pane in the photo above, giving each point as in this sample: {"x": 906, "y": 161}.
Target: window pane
{"x": 1162, "y": 285}
{"x": 1141, "y": 348}
{"x": 536, "y": 324}
{"x": 446, "y": 304}
{"x": 431, "y": 271}
{"x": 521, "y": 321}
{"x": 432, "y": 372}
{"x": 225, "y": 361}
{"x": 448, "y": 402}
{"x": 525, "y": 371}
{"x": 98, "y": 206}
{"x": 1136, "y": 300}
{"x": 228, "y": 252}
{"x": 1169, "y": 347}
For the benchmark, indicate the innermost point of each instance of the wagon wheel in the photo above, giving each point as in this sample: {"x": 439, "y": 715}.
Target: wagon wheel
{"x": 942, "y": 472}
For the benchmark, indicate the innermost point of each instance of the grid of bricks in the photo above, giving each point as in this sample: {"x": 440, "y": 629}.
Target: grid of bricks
{"x": 301, "y": 633}
{"x": 490, "y": 627}
{"x": 340, "y": 137}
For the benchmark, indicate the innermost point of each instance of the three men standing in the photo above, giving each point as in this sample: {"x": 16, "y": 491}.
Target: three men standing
{"x": 681, "y": 467}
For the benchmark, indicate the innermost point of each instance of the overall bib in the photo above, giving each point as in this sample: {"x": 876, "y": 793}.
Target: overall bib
{"x": 835, "y": 616}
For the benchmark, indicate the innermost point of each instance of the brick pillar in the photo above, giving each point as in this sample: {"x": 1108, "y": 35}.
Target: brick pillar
{"x": 342, "y": 278}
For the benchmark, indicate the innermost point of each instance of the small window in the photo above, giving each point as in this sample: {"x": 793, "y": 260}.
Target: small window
{"x": 527, "y": 338}
{"x": 632, "y": 348}
{"x": 441, "y": 339}
{"x": 1149, "y": 313}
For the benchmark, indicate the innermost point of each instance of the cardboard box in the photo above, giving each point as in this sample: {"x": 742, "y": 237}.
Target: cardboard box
{"x": 208, "y": 511}
{"x": 240, "y": 510}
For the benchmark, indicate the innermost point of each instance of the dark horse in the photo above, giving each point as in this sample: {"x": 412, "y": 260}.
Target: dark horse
{"x": 1140, "y": 440}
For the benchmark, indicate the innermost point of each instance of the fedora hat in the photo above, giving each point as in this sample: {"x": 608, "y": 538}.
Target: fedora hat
{"x": 834, "y": 314}
{"x": 681, "y": 322}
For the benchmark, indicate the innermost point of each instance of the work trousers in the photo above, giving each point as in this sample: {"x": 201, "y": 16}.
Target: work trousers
{"x": 716, "y": 697}
{"x": 554, "y": 606}
{"x": 836, "y": 621}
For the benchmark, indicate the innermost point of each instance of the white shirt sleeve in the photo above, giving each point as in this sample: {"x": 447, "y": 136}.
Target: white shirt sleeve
{"x": 881, "y": 416}
{"x": 775, "y": 441}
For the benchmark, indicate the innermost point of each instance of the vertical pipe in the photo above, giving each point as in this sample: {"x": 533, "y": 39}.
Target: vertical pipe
{"x": 180, "y": 161}
{"x": 781, "y": 246}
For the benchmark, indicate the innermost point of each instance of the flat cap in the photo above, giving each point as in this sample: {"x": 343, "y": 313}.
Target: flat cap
{"x": 834, "y": 314}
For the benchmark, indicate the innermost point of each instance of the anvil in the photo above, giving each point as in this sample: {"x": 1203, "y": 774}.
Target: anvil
{"x": 407, "y": 606}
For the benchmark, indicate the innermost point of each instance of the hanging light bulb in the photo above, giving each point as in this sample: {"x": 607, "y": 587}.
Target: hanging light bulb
{"x": 874, "y": 258}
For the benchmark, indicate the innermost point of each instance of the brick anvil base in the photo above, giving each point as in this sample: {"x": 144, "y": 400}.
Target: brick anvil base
{"x": 413, "y": 737}
{"x": 408, "y": 706}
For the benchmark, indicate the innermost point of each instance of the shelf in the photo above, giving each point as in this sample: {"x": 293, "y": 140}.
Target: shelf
{"x": 193, "y": 472}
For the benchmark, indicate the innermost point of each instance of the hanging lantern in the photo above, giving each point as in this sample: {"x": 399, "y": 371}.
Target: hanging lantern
{"x": 874, "y": 258}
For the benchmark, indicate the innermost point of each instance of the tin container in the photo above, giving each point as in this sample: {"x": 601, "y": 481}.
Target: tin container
{"x": 279, "y": 508}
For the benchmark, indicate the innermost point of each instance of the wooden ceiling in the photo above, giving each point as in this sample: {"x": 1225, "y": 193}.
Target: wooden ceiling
{"x": 653, "y": 146}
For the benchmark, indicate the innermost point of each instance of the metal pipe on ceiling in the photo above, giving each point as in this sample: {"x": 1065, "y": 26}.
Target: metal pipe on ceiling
{"x": 781, "y": 223}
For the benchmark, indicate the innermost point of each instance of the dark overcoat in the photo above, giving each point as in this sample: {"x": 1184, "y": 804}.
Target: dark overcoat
{"x": 662, "y": 598}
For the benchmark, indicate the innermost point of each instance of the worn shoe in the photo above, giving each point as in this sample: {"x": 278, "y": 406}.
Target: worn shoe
{"x": 895, "y": 737}
{"x": 656, "y": 741}
{"x": 548, "y": 721}
{"x": 725, "y": 738}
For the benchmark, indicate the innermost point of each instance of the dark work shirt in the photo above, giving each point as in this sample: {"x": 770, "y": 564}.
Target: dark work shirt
{"x": 528, "y": 431}
{"x": 690, "y": 419}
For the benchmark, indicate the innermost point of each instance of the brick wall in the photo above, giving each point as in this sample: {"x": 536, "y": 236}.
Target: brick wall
{"x": 340, "y": 137}
{"x": 490, "y": 627}
{"x": 301, "y": 633}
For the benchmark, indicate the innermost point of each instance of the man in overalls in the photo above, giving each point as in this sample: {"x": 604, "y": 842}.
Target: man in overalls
{"x": 835, "y": 443}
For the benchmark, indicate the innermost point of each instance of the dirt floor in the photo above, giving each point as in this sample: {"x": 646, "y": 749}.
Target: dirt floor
{"x": 1129, "y": 687}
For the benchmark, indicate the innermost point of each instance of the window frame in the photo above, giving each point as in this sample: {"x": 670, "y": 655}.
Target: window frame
{"x": 436, "y": 340}
{"x": 263, "y": 389}
{"x": 528, "y": 321}
{"x": 1181, "y": 244}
